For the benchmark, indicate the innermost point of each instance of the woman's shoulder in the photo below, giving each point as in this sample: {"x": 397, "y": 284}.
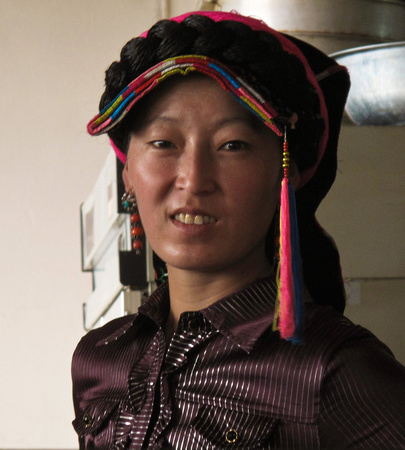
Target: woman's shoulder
{"x": 337, "y": 358}
{"x": 337, "y": 338}
{"x": 329, "y": 328}
{"x": 105, "y": 333}
{"x": 107, "y": 354}
{"x": 333, "y": 345}
{"x": 362, "y": 392}
{"x": 107, "y": 345}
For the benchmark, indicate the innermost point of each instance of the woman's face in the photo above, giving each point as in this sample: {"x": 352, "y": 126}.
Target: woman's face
{"x": 206, "y": 174}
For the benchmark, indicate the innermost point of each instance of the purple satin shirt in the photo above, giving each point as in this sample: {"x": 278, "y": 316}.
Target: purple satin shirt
{"x": 227, "y": 381}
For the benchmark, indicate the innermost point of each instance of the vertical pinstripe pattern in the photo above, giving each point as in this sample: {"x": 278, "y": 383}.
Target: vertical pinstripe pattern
{"x": 227, "y": 381}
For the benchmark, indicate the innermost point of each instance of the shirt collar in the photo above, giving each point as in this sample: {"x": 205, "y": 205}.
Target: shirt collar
{"x": 244, "y": 315}
{"x": 157, "y": 305}
{"x": 241, "y": 317}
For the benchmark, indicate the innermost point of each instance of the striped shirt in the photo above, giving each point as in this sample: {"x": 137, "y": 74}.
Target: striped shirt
{"x": 226, "y": 380}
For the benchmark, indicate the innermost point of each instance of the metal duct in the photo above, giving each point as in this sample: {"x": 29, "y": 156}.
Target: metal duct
{"x": 377, "y": 95}
{"x": 330, "y": 25}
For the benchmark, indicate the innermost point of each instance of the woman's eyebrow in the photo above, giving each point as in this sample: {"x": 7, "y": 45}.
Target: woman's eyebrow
{"x": 250, "y": 121}
{"x": 160, "y": 118}
{"x": 145, "y": 122}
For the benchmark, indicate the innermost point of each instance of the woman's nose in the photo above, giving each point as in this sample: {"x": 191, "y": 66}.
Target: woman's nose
{"x": 196, "y": 170}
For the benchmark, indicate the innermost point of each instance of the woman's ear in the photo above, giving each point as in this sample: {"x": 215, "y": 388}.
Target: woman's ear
{"x": 295, "y": 175}
{"x": 125, "y": 177}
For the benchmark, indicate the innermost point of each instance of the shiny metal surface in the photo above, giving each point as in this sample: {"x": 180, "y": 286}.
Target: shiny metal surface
{"x": 377, "y": 95}
{"x": 330, "y": 25}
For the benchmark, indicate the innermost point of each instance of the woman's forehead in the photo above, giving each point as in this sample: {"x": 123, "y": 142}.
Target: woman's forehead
{"x": 169, "y": 101}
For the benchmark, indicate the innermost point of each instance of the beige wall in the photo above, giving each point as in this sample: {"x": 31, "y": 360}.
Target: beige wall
{"x": 53, "y": 54}
{"x": 382, "y": 311}
{"x": 365, "y": 213}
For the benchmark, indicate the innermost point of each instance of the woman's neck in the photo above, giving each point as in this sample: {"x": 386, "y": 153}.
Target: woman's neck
{"x": 196, "y": 290}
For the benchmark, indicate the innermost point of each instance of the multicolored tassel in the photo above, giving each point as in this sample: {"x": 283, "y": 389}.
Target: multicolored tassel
{"x": 289, "y": 312}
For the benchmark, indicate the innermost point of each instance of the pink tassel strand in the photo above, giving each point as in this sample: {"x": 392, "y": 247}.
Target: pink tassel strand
{"x": 288, "y": 315}
{"x": 287, "y": 292}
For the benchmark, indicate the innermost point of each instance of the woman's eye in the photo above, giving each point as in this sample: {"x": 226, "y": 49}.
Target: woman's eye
{"x": 162, "y": 144}
{"x": 234, "y": 146}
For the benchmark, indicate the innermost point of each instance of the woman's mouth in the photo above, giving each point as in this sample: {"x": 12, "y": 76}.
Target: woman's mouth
{"x": 191, "y": 219}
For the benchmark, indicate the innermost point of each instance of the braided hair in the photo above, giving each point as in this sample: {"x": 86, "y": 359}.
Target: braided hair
{"x": 254, "y": 55}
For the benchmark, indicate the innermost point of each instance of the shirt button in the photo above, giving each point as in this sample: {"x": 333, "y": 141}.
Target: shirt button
{"x": 231, "y": 436}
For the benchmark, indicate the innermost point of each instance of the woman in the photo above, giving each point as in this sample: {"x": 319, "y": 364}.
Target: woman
{"x": 218, "y": 119}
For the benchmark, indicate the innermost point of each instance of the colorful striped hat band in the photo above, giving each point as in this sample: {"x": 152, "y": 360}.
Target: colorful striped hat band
{"x": 116, "y": 110}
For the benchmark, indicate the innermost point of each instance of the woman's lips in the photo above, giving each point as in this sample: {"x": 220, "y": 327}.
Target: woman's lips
{"x": 194, "y": 219}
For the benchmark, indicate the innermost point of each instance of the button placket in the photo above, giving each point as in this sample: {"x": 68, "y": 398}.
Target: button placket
{"x": 165, "y": 412}
{"x": 188, "y": 335}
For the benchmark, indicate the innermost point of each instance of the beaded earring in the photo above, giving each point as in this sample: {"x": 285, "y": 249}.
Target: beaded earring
{"x": 129, "y": 203}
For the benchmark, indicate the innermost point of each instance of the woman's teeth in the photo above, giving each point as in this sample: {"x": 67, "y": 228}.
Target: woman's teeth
{"x": 191, "y": 219}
